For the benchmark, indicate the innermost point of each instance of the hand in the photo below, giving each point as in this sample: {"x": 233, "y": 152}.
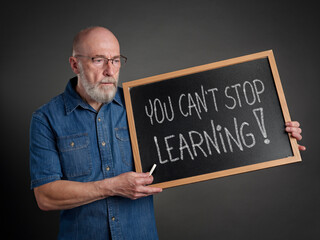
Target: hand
{"x": 294, "y": 129}
{"x": 133, "y": 185}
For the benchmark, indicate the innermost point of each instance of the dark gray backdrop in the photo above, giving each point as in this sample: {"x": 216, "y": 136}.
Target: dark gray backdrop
{"x": 158, "y": 37}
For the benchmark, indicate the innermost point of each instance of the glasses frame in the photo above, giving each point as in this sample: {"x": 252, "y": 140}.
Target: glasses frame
{"x": 106, "y": 60}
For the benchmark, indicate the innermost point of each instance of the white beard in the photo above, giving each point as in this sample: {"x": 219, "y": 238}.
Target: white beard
{"x": 97, "y": 92}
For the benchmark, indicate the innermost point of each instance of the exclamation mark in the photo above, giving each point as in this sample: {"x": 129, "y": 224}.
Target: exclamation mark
{"x": 260, "y": 120}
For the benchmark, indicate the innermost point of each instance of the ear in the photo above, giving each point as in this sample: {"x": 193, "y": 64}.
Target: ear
{"x": 74, "y": 65}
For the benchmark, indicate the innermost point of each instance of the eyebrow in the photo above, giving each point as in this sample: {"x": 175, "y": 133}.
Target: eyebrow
{"x": 103, "y": 56}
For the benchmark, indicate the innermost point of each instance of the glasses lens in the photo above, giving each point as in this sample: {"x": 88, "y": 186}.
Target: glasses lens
{"x": 98, "y": 61}
{"x": 117, "y": 61}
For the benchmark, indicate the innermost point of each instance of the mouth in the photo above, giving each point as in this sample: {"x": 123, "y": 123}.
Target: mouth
{"x": 107, "y": 83}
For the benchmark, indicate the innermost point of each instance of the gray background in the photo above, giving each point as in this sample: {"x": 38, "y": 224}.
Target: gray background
{"x": 159, "y": 37}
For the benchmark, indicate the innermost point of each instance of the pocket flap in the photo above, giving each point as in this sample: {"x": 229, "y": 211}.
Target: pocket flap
{"x": 73, "y": 142}
{"x": 122, "y": 134}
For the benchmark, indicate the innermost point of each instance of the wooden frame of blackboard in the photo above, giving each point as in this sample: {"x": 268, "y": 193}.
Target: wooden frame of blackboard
{"x": 167, "y": 76}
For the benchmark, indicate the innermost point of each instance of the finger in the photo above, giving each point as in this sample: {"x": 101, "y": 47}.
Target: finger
{"x": 144, "y": 180}
{"x": 143, "y": 191}
{"x": 302, "y": 148}
{"x": 293, "y": 129}
{"x": 296, "y": 136}
{"x": 293, "y": 124}
{"x": 146, "y": 193}
{"x": 149, "y": 190}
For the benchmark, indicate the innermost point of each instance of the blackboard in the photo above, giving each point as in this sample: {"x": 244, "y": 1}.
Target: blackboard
{"x": 210, "y": 121}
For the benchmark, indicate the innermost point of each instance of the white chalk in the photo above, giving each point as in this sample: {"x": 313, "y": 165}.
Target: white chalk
{"x": 152, "y": 169}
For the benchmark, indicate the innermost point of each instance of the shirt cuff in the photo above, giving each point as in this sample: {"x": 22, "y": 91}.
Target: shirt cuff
{"x": 39, "y": 182}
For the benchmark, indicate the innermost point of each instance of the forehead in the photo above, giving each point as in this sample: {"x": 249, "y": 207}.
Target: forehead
{"x": 100, "y": 43}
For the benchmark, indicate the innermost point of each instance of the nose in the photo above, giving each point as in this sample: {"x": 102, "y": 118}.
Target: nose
{"x": 109, "y": 70}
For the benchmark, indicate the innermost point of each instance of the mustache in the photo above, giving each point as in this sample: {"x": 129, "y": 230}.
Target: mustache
{"x": 108, "y": 80}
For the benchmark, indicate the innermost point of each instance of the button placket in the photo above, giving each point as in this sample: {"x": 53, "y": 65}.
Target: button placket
{"x": 104, "y": 146}
{"x": 99, "y": 119}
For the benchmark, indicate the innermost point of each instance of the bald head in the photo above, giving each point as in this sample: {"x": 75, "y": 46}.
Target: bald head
{"x": 88, "y": 40}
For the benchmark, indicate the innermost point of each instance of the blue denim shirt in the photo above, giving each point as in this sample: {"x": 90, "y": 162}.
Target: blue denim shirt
{"x": 69, "y": 140}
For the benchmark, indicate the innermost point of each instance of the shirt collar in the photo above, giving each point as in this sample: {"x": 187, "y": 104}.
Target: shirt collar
{"x": 72, "y": 99}
{"x": 118, "y": 98}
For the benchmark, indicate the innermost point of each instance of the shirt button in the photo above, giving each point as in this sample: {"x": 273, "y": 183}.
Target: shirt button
{"x": 113, "y": 218}
{"x": 99, "y": 119}
{"x": 107, "y": 168}
{"x": 72, "y": 144}
{"x": 103, "y": 143}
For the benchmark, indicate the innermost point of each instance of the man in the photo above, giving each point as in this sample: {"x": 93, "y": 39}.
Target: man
{"x": 80, "y": 153}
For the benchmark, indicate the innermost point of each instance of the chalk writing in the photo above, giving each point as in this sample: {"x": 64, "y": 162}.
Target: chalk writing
{"x": 217, "y": 138}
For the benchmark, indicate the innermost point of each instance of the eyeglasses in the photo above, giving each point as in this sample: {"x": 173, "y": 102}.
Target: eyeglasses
{"x": 117, "y": 61}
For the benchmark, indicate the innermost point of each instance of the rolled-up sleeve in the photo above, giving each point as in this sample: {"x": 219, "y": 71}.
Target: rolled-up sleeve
{"x": 44, "y": 158}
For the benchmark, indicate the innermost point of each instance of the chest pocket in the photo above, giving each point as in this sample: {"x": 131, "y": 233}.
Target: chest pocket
{"x": 123, "y": 140}
{"x": 75, "y": 155}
